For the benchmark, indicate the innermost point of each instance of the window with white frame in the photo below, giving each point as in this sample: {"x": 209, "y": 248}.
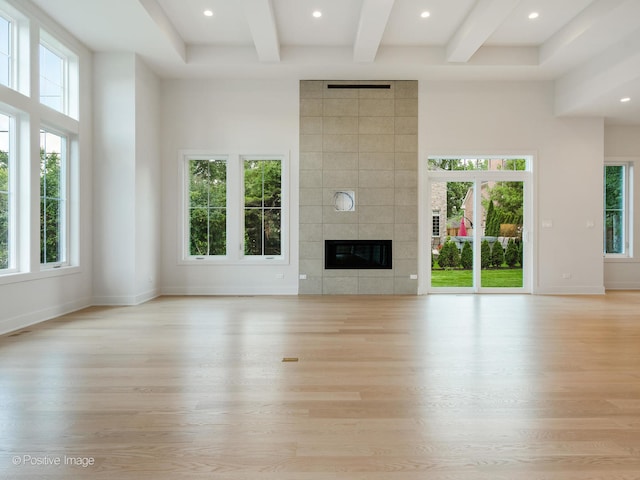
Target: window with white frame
{"x": 6, "y": 51}
{"x": 207, "y": 205}
{"x": 617, "y": 192}
{"x": 57, "y": 86}
{"x": 53, "y": 199}
{"x": 52, "y": 78}
{"x": 234, "y": 208}
{"x": 262, "y": 206}
{"x": 59, "y": 76}
{"x": 7, "y": 203}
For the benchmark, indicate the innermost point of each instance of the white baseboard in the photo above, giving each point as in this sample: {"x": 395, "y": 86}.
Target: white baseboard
{"x": 125, "y": 300}
{"x": 230, "y": 290}
{"x": 622, "y": 286}
{"x": 31, "y": 318}
{"x": 569, "y": 291}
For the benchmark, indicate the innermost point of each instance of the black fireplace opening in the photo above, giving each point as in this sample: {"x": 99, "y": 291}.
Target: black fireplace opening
{"x": 357, "y": 254}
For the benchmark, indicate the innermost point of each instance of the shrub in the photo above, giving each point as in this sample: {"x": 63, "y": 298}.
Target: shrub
{"x": 485, "y": 254}
{"x": 511, "y": 256}
{"x": 466, "y": 257}
{"x": 443, "y": 257}
{"x": 497, "y": 255}
{"x": 449, "y": 255}
{"x": 520, "y": 255}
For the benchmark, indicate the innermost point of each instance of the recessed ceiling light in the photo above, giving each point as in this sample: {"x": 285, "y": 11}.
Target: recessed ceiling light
{"x": 625, "y": 99}
{"x": 317, "y": 14}
{"x": 533, "y": 15}
{"x": 208, "y": 13}
{"x": 425, "y": 14}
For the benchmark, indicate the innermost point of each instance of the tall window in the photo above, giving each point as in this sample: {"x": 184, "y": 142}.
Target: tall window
{"x": 6, "y": 46}
{"x": 6, "y": 200}
{"x": 24, "y": 44}
{"x": 262, "y": 207}
{"x": 207, "y": 207}
{"x": 616, "y": 217}
{"x": 53, "y": 198}
{"x": 52, "y": 79}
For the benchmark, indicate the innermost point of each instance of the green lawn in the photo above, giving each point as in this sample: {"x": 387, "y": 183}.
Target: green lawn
{"x": 503, "y": 277}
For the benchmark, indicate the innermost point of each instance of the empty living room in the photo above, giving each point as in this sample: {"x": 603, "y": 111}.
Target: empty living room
{"x": 296, "y": 240}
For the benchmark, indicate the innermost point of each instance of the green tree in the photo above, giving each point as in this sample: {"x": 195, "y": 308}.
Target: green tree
{"x": 492, "y": 225}
{"x": 456, "y": 193}
{"x": 454, "y": 164}
{"x": 449, "y": 255}
{"x": 515, "y": 164}
{"x": 52, "y": 205}
{"x": 520, "y": 254}
{"x": 466, "y": 257}
{"x": 497, "y": 254}
{"x": 444, "y": 257}
{"x": 613, "y": 183}
{"x": 262, "y": 207}
{"x": 614, "y": 176}
{"x": 207, "y": 207}
{"x": 511, "y": 255}
{"x": 508, "y": 200}
{"x": 485, "y": 254}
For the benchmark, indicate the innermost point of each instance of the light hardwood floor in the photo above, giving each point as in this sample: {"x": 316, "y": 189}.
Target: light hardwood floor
{"x": 440, "y": 387}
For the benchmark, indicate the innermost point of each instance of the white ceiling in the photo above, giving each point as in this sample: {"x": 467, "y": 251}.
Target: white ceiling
{"x": 589, "y": 48}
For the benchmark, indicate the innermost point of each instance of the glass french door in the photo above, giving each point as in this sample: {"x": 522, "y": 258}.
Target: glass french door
{"x": 478, "y": 236}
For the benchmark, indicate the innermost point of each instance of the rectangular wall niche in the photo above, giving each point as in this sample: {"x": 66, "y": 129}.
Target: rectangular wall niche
{"x": 359, "y": 137}
{"x": 358, "y": 254}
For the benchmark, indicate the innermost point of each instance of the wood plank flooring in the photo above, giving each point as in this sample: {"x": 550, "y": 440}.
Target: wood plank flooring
{"x": 445, "y": 387}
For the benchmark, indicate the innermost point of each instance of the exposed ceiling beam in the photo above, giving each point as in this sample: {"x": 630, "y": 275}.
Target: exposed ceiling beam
{"x": 601, "y": 77}
{"x": 262, "y": 23}
{"x": 158, "y": 15}
{"x": 602, "y": 24}
{"x": 485, "y": 17}
{"x": 373, "y": 21}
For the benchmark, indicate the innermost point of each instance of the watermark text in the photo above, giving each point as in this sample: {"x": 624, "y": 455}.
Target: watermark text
{"x": 53, "y": 461}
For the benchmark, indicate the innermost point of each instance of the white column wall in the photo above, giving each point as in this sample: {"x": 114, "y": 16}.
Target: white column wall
{"x": 114, "y": 178}
{"x": 126, "y": 180}
{"x": 148, "y": 184}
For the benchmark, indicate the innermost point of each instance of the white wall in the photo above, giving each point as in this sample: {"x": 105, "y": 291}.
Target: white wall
{"x": 114, "y": 178}
{"x": 623, "y": 143}
{"x": 148, "y": 184}
{"x": 243, "y": 117}
{"x": 126, "y": 180}
{"x": 517, "y": 118}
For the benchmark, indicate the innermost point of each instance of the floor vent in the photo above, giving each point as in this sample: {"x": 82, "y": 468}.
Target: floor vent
{"x": 19, "y": 333}
{"x": 290, "y": 359}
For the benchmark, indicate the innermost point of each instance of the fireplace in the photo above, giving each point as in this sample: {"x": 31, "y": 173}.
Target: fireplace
{"x": 357, "y": 254}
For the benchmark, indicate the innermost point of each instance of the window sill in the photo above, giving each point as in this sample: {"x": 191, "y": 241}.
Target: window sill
{"x": 17, "y": 277}
{"x": 224, "y": 261}
{"x": 621, "y": 259}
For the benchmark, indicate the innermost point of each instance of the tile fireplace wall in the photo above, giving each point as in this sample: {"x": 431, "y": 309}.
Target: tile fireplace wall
{"x": 363, "y": 140}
